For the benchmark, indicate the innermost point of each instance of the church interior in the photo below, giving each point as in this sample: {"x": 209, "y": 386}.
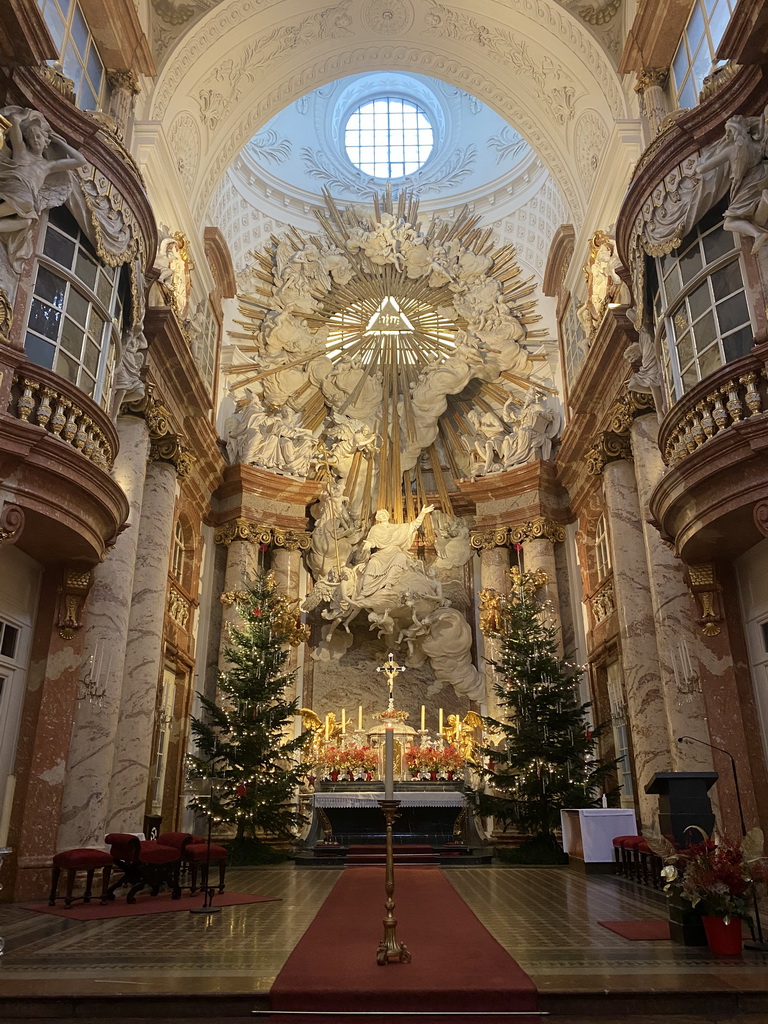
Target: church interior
{"x": 391, "y": 300}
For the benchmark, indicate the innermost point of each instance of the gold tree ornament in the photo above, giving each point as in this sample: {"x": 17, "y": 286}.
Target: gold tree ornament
{"x": 527, "y": 583}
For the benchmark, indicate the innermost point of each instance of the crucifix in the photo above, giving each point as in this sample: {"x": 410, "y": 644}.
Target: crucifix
{"x": 391, "y": 668}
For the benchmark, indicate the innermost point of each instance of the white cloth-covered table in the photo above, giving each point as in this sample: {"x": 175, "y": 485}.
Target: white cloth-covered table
{"x": 425, "y": 799}
{"x": 588, "y": 832}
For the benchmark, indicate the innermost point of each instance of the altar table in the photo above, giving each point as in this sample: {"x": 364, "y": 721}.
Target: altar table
{"x": 588, "y": 832}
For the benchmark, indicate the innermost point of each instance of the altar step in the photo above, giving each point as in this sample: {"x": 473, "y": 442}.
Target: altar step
{"x": 402, "y": 854}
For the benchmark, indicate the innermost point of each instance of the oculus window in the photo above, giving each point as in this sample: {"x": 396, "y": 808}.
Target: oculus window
{"x": 388, "y": 137}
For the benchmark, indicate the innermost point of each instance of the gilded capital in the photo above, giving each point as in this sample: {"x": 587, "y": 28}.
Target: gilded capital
{"x": 484, "y": 540}
{"x": 651, "y": 76}
{"x": 609, "y": 447}
{"x": 539, "y": 528}
{"x": 124, "y": 80}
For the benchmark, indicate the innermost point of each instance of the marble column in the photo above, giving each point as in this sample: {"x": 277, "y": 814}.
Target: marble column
{"x": 286, "y": 565}
{"x": 241, "y": 561}
{"x": 539, "y": 553}
{"x": 494, "y": 575}
{"x": 85, "y": 801}
{"x": 144, "y": 652}
{"x": 122, "y": 99}
{"x": 650, "y": 87}
{"x": 679, "y": 647}
{"x": 646, "y": 709}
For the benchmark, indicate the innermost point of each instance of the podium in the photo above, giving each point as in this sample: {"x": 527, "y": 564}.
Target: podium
{"x": 588, "y": 834}
{"x": 684, "y": 801}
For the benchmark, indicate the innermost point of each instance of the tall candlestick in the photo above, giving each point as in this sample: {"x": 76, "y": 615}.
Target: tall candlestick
{"x": 360, "y": 718}
{"x": 389, "y": 757}
{"x": 440, "y": 722}
{"x": 423, "y": 712}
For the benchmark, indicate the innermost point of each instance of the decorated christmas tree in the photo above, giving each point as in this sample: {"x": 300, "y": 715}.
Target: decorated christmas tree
{"x": 249, "y": 763}
{"x": 544, "y": 753}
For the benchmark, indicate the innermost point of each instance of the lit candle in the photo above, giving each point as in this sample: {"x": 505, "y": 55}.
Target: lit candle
{"x": 389, "y": 757}
{"x": 440, "y": 722}
{"x": 423, "y": 712}
{"x": 343, "y": 720}
{"x": 360, "y": 718}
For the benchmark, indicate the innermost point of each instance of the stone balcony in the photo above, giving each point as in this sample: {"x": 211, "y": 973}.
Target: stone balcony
{"x": 713, "y": 500}
{"x": 56, "y": 450}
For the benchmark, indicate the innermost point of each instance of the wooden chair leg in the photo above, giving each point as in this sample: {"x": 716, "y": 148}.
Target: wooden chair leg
{"x": 55, "y": 875}
{"x": 222, "y": 872}
{"x": 71, "y": 873}
{"x": 88, "y": 885}
{"x": 106, "y": 874}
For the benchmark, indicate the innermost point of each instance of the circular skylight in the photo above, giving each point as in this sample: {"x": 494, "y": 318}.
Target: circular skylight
{"x": 388, "y": 137}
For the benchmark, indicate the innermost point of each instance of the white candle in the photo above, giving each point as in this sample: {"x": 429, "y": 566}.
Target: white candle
{"x": 343, "y": 720}
{"x": 360, "y": 718}
{"x": 389, "y": 756}
{"x": 440, "y": 722}
{"x": 423, "y": 712}
{"x": 327, "y": 728}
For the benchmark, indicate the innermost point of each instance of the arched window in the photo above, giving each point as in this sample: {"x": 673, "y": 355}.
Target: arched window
{"x": 700, "y": 306}
{"x": 602, "y": 551}
{"x": 78, "y": 56}
{"x": 76, "y": 312}
{"x": 178, "y": 552}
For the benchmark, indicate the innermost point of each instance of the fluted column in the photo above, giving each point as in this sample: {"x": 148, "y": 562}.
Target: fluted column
{"x": 122, "y": 99}
{"x": 144, "y": 652}
{"x": 85, "y": 800}
{"x": 650, "y": 88}
{"x": 645, "y": 702}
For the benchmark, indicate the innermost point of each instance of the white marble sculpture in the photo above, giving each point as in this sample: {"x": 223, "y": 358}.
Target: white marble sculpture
{"x": 647, "y": 377}
{"x": 36, "y": 168}
{"x": 127, "y": 381}
{"x": 336, "y": 532}
{"x": 744, "y": 150}
{"x": 451, "y": 541}
{"x": 173, "y": 273}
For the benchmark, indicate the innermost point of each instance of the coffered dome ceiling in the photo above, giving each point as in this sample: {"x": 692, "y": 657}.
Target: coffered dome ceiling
{"x": 227, "y": 69}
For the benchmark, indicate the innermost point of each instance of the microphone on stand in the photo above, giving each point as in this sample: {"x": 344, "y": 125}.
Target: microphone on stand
{"x": 759, "y": 943}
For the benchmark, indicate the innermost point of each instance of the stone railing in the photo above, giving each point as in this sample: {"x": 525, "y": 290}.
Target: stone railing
{"x": 42, "y": 398}
{"x": 603, "y": 601}
{"x": 736, "y": 392}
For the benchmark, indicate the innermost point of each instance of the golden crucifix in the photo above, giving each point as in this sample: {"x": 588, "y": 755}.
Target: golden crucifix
{"x": 391, "y": 668}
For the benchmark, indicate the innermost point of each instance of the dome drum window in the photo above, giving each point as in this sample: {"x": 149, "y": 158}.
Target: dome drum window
{"x": 388, "y": 137}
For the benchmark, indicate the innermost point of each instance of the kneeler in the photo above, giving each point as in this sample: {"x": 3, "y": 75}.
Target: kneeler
{"x": 144, "y": 862}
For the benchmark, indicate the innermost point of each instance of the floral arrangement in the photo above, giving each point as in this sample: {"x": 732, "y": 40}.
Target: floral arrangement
{"x": 354, "y": 762}
{"x": 718, "y": 874}
{"x": 433, "y": 760}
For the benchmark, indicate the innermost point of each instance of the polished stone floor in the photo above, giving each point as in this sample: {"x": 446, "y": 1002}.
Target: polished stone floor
{"x": 547, "y": 919}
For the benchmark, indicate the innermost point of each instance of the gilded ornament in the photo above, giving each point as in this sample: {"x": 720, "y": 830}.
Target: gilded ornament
{"x": 536, "y": 529}
{"x": 491, "y": 611}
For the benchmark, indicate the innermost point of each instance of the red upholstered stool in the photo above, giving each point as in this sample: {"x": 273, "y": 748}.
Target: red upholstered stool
{"x": 144, "y": 862}
{"x": 200, "y": 857}
{"x": 72, "y": 861}
{"x": 621, "y": 854}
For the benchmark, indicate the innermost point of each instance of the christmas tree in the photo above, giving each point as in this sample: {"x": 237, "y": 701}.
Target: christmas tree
{"x": 545, "y": 757}
{"x": 248, "y": 759}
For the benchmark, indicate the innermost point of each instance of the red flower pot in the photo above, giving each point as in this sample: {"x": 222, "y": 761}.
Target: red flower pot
{"x": 368, "y": 776}
{"x": 334, "y": 776}
{"x": 450, "y": 776}
{"x": 433, "y": 776}
{"x": 721, "y": 937}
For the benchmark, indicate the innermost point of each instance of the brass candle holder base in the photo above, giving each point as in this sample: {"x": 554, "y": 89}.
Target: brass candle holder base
{"x": 390, "y": 951}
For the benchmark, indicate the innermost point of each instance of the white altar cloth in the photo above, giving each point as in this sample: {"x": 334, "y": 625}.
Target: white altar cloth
{"x": 426, "y": 799}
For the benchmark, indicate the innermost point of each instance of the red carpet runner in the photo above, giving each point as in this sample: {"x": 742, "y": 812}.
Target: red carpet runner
{"x": 457, "y": 965}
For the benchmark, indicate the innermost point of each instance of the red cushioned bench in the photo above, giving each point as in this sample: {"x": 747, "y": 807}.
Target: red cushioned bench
{"x": 144, "y": 862}
{"x": 74, "y": 861}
